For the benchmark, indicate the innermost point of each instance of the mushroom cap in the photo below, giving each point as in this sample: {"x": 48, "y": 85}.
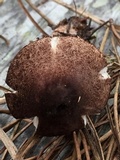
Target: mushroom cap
{"x": 58, "y": 80}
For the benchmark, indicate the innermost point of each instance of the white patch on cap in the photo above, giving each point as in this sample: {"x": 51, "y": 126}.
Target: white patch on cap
{"x": 84, "y": 119}
{"x": 79, "y": 98}
{"x": 54, "y": 43}
{"x": 104, "y": 74}
{"x": 36, "y": 122}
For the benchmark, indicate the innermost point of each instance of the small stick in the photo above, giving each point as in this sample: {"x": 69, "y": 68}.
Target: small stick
{"x": 115, "y": 50}
{"x": 8, "y": 144}
{"x": 45, "y": 148}
{"x": 103, "y": 24}
{"x": 104, "y": 39}
{"x": 27, "y": 146}
{"x": 114, "y": 30}
{"x": 75, "y": 7}
{"x": 83, "y": 150}
{"x": 31, "y": 158}
{"x": 92, "y": 144}
{"x": 116, "y": 106}
{"x": 85, "y": 145}
{"x": 73, "y": 156}
{"x": 115, "y": 132}
{"x": 115, "y": 150}
{"x": 11, "y": 136}
{"x": 77, "y": 146}
{"x": 101, "y": 123}
{"x": 18, "y": 134}
{"x": 50, "y": 23}
{"x": 99, "y": 147}
{"x": 2, "y": 100}
{"x": 10, "y": 125}
{"x": 27, "y": 120}
{"x": 110, "y": 149}
{"x": 6, "y": 90}
{"x": 31, "y": 18}
{"x": 54, "y": 146}
{"x": 61, "y": 149}
{"x": 80, "y": 11}
{"x": 21, "y": 131}
{"x": 6, "y": 41}
{"x": 106, "y": 136}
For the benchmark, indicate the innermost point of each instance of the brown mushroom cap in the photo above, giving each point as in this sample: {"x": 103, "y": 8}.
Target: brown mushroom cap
{"x": 58, "y": 80}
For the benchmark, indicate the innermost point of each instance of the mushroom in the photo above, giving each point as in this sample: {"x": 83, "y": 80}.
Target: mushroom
{"x": 58, "y": 80}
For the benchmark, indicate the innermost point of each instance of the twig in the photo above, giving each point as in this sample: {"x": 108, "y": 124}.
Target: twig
{"x": 61, "y": 149}
{"x": 103, "y": 24}
{"x": 10, "y": 125}
{"x": 34, "y": 22}
{"x": 106, "y": 136}
{"x": 110, "y": 148}
{"x": 21, "y": 131}
{"x": 100, "y": 150}
{"x": 8, "y": 144}
{"x": 92, "y": 144}
{"x": 73, "y": 156}
{"x": 85, "y": 146}
{"x": 6, "y": 41}
{"x": 80, "y": 11}
{"x": 2, "y": 100}
{"x": 22, "y": 152}
{"x": 100, "y": 123}
{"x": 53, "y": 148}
{"x": 114, "y": 30}
{"x": 11, "y": 136}
{"x": 104, "y": 39}
{"x": 115, "y": 50}
{"x": 45, "y": 148}
{"x": 114, "y": 151}
{"x": 6, "y": 90}
{"x": 31, "y": 158}
{"x": 77, "y": 146}
{"x": 50, "y": 23}
{"x": 116, "y": 106}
